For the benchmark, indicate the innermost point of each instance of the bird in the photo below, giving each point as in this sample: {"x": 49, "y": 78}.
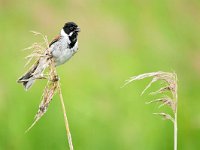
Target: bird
{"x": 61, "y": 49}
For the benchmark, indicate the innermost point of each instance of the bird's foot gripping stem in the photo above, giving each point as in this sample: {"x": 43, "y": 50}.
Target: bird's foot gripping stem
{"x": 55, "y": 78}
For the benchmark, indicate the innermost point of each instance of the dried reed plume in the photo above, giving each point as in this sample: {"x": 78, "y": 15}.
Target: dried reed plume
{"x": 170, "y": 81}
{"x": 53, "y": 84}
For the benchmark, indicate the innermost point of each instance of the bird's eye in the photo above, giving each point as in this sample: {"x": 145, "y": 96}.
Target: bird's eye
{"x": 71, "y": 28}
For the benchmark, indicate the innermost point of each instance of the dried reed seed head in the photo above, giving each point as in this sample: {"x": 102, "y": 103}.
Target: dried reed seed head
{"x": 170, "y": 81}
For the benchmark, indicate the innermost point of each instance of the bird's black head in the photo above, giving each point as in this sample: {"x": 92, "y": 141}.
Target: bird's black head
{"x": 70, "y": 28}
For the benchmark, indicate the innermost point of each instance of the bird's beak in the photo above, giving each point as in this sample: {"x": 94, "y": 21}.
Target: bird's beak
{"x": 78, "y": 29}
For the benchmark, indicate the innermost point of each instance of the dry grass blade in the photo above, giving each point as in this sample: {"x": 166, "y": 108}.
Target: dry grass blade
{"x": 141, "y": 76}
{"x": 44, "y": 37}
{"x": 152, "y": 81}
{"x": 38, "y": 48}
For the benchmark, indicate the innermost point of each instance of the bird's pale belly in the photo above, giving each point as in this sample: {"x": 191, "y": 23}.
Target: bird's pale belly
{"x": 64, "y": 57}
{"x": 63, "y": 54}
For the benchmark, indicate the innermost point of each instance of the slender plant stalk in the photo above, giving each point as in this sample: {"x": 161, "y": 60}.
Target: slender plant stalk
{"x": 65, "y": 119}
{"x": 175, "y": 97}
{"x": 175, "y": 132}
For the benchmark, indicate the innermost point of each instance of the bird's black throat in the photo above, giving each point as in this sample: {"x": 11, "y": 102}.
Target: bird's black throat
{"x": 73, "y": 39}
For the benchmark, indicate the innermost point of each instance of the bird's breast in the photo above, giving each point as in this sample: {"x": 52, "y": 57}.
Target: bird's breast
{"x": 62, "y": 53}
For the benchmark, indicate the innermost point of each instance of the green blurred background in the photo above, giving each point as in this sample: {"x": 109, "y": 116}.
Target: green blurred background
{"x": 118, "y": 39}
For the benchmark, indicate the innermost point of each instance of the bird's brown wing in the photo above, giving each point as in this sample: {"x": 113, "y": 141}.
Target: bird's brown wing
{"x": 54, "y": 40}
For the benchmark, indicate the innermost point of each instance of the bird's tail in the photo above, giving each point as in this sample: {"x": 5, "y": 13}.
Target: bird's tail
{"x": 34, "y": 73}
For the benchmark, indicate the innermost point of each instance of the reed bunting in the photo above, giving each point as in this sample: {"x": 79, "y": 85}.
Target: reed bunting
{"x": 61, "y": 49}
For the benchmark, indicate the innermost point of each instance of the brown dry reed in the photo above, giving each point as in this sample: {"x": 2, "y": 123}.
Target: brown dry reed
{"x": 170, "y": 100}
{"x": 53, "y": 84}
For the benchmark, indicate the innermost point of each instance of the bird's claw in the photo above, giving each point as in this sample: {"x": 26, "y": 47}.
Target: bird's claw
{"x": 55, "y": 79}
